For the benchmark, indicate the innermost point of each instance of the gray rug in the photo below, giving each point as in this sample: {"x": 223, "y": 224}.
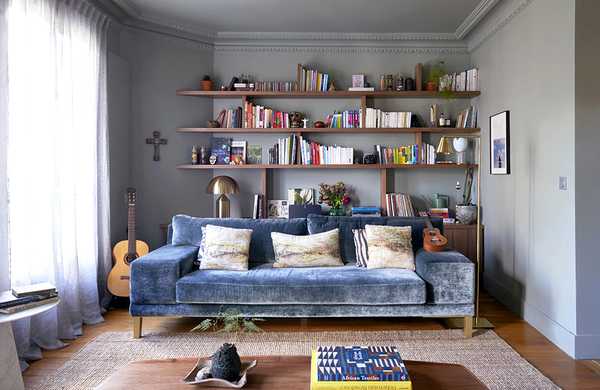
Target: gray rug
{"x": 488, "y": 357}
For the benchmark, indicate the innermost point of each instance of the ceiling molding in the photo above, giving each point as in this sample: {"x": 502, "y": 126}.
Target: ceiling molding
{"x": 341, "y": 50}
{"x": 129, "y": 8}
{"x": 482, "y": 9}
{"x": 487, "y": 31}
{"x": 334, "y": 36}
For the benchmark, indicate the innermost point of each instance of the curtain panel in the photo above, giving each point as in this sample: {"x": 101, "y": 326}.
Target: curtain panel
{"x": 57, "y": 163}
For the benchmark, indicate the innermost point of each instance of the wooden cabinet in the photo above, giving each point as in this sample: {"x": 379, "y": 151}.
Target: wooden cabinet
{"x": 463, "y": 238}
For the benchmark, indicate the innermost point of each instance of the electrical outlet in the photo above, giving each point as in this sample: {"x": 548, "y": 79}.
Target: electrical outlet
{"x": 562, "y": 183}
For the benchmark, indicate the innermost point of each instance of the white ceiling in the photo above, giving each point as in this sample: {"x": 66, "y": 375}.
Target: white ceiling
{"x": 330, "y": 16}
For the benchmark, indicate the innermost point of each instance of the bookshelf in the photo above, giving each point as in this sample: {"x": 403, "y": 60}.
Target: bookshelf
{"x": 329, "y": 94}
{"x": 330, "y": 166}
{"x": 329, "y": 130}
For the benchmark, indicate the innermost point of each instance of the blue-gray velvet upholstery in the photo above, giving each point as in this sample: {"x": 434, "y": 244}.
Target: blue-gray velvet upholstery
{"x": 166, "y": 282}
{"x": 266, "y": 285}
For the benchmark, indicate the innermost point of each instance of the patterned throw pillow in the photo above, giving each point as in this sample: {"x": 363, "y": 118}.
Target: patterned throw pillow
{"x": 360, "y": 243}
{"x": 226, "y": 248}
{"x": 201, "y": 247}
{"x": 390, "y": 247}
{"x": 314, "y": 250}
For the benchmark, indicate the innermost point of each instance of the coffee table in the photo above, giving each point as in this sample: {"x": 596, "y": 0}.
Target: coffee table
{"x": 277, "y": 372}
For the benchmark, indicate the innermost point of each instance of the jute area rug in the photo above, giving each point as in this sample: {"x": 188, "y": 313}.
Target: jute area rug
{"x": 488, "y": 357}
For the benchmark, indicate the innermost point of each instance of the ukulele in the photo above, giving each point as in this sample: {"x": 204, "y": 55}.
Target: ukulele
{"x": 433, "y": 240}
{"x": 124, "y": 252}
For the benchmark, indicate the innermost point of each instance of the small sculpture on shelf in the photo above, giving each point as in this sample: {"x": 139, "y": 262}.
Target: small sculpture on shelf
{"x": 296, "y": 120}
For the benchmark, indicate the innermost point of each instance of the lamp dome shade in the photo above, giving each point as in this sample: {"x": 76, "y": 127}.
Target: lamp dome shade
{"x": 220, "y": 185}
{"x": 444, "y": 147}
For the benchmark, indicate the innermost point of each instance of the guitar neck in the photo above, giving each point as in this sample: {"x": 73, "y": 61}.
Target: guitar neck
{"x": 131, "y": 229}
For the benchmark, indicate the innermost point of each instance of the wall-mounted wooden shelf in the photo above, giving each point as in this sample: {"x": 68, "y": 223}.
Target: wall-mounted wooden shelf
{"x": 330, "y": 166}
{"x": 329, "y": 94}
{"x": 329, "y": 130}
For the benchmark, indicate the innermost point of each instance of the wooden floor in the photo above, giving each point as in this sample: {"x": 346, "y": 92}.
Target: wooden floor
{"x": 555, "y": 364}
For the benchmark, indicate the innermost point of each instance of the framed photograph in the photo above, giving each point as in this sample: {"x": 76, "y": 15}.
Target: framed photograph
{"x": 500, "y": 143}
{"x": 301, "y": 196}
{"x": 254, "y": 154}
{"x": 278, "y": 209}
{"x": 358, "y": 81}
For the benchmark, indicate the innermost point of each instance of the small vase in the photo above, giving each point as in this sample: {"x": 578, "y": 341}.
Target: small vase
{"x": 206, "y": 85}
{"x": 466, "y": 214}
{"x": 337, "y": 212}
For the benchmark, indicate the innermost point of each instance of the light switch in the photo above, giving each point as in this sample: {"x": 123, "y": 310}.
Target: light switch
{"x": 562, "y": 183}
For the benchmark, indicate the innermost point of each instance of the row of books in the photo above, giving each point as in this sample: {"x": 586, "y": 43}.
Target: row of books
{"x": 312, "y": 80}
{"x": 231, "y": 117}
{"x": 467, "y": 118}
{"x": 376, "y": 118}
{"x": 27, "y": 297}
{"x": 257, "y": 116}
{"x": 366, "y": 211}
{"x": 294, "y": 149}
{"x": 406, "y": 154}
{"x": 344, "y": 120}
{"x": 276, "y": 86}
{"x": 461, "y": 81}
{"x": 399, "y": 205}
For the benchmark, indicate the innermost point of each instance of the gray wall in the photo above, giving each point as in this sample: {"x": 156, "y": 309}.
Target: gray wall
{"x": 279, "y": 63}
{"x": 530, "y": 224}
{"x": 587, "y": 189}
{"x": 158, "y": 66}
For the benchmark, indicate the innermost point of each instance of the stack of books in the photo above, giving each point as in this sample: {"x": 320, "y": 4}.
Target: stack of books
{"x": 258, "y": 211}
{"x": 311, "y": 80}
{"x": 406, "y": 154}
{"x": 443, "y": 213}
{"x": 27, "y": 297}
{"x": 294, "y": 150}
{"x": 467, "y": 118}
{"x": 373, "y": 367}
{"x": 461, "y": 81}
{"x": 276, "y": 86}
{"x": 348, "y": 119}
{"x": 399, "y": 205}
{"x": 375, "y": 118}
{"x": 261, "y": 117}
{"x": 366, "y": 211}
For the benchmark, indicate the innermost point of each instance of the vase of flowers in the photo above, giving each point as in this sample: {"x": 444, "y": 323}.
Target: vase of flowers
{"x": 336, "y": 196}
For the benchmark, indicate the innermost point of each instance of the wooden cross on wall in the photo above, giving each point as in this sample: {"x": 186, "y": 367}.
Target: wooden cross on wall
{"x": 156, "y": 141}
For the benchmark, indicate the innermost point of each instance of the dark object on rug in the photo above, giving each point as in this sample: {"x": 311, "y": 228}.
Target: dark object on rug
{"x": 226, "y": 363}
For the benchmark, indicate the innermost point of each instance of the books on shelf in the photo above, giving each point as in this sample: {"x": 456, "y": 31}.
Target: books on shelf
{"x": 297, "y": 150}
{"x": 376, "y": 118}
{"x": 366, "y": 211}
{"x": 442, "y": 213}
{"x": 406, "y": 154}
{"x": 311, "y": 80}
{"x": 399, "y": 205}
{"x": 257, "y": 209}
{"x": 358, "y": 367}
{"x": 461, "y": 81}
{"x": 230, "y": 118}
{"x": 276, "y": 86}
{"x": 344, "y": 120}
{"x": 467, "y": 118}
{"x": 261, "y": 117}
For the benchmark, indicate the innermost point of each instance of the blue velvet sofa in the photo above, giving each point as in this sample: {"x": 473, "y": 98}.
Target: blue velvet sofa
{"x": 166, "y": 282}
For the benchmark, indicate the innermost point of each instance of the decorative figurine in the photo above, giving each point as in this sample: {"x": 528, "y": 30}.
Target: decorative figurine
{"x": 204, "y": 156}
{"x": 305, "y": 123}
{"x": 331, "y": 86}
{"x": 296, "y": 120}
{"x": 194, "y": 155}
{"x": 226, "y": 363}
{"x": 212, "y": 160}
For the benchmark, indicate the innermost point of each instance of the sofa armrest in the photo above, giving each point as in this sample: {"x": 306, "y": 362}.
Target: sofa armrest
{"x": 153, "y": 277}
{"x": 448, "y": 275}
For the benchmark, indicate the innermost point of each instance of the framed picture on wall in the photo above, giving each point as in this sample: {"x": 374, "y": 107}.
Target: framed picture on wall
{"x": 500, "y": 143}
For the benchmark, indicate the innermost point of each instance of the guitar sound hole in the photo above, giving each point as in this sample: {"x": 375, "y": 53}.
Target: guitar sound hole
{"x": 130, "y": 257}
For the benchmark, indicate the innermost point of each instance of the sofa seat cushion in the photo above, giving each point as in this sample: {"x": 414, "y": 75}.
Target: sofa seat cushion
{"x": 265, "y": 285}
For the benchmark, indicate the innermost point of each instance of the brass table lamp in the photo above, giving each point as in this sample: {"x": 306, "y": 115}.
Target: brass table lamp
{"x": 222, "y": 185}
{"x": 444, "y": 149}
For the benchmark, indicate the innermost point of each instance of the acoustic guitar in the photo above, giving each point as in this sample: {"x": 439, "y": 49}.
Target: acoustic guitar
{"x": 433, "y": 240}
{"x": 125, "y": 252}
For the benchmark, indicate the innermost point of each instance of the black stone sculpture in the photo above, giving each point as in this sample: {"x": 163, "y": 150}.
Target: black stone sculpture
{"x": 226, "y": 363}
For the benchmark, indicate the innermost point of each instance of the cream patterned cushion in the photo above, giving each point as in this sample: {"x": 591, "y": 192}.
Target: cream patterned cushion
{"x": 226, "y": 248}
{"x": 390, "y": 247}
{"x": 314, "y": 250}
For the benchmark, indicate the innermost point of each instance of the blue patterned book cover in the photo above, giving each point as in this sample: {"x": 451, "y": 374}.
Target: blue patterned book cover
{"x": 353, "y": 363}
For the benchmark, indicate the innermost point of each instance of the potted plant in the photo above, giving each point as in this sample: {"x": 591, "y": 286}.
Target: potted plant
{"x": 206, "y": 83}
{"x": 466, "y": 212}
{"x": 336, "y": 196}
{"x": 433, "y": 78}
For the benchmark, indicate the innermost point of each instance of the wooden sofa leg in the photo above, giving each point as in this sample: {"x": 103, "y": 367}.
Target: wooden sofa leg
{"x": 468, "y": 326}
{"x": 137, "y": 327}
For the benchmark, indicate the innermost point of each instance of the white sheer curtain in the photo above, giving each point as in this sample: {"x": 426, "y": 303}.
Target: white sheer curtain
{"x": 57, "y": 164}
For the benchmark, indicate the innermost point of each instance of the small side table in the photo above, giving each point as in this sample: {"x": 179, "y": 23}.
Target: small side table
{"x": 10, "y": 370}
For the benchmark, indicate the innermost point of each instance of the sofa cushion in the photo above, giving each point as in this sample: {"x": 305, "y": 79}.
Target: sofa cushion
{"x": 390, "y": 247}
{"x": 322, "y": 223}
{"x": 225, "y": 248}
{"x": 187, "y": 231}
{"x": 264, "y": 285}
{"x": 314, "y": 250}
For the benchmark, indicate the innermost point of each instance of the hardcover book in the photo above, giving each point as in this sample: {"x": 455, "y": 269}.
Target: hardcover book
{"x": 358, "y": 367}
{"x": 254, "y": 154}
{"x": 221, "y": 148}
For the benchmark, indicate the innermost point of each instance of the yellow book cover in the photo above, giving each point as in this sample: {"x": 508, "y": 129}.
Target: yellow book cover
{"x": 316, "y": 384}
